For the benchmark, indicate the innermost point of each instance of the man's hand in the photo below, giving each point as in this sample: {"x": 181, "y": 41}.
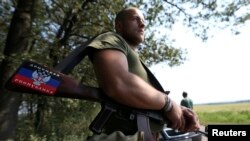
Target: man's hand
{"x": 191, "y": 120}
{"x": 175, "y": 117}
{"x": 182, "y": 118}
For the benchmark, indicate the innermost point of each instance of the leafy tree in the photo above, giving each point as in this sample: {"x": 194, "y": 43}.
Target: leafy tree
{"x": 16, "y": 42}
{"x": 198, "y": 15}
{"x": 49, "y": 29}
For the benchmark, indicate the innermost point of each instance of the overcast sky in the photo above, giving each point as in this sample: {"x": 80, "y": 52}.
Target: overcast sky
{"x": 216, "y": 71}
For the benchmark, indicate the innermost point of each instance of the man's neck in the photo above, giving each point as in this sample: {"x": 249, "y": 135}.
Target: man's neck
{"x": 131, "y": 45}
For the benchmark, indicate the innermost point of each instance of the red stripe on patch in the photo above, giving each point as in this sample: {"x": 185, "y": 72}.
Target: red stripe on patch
{"x": 28, "y": 83}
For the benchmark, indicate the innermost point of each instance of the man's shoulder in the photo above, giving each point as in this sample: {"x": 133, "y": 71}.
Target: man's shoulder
{"x": 109, "y": 34}
{"x": 111, "y": 37}
{"x": 109, "y": 40}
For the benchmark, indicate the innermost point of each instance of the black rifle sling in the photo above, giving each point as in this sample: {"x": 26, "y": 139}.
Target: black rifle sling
{"x": 143, "y": 125}
{"x": 142, "y": 120}
{"x": 69, "y": 62}
{"x": 156, "y": 84}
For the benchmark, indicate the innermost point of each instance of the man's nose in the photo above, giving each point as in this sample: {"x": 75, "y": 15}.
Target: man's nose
{"x": 141, "y": 23}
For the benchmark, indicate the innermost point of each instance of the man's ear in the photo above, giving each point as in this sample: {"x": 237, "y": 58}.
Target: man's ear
{"x": 118, "y": 26}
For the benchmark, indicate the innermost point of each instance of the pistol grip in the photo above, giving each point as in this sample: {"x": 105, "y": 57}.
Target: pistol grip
{"x": 101, "y": 119}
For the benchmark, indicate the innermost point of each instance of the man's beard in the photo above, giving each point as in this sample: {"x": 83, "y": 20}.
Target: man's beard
{"x": 132, "y": 40}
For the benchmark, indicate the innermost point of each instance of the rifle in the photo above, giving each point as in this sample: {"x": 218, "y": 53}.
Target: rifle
{"x": 34, "y": 78}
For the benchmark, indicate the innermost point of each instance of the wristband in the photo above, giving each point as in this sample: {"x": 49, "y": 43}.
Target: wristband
{"x": 168, "y": 105}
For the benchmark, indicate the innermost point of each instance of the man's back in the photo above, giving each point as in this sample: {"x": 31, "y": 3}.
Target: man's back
{"x": 186, "y": 101}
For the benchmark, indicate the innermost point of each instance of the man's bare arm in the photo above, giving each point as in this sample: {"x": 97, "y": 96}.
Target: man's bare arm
{"x": 118, "y": 83}
{"x": 111, "y": 68}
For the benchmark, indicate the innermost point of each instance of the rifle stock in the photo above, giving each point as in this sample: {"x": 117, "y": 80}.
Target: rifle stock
{"x": 25, "y": 78}
{"x": 33, "y": 78}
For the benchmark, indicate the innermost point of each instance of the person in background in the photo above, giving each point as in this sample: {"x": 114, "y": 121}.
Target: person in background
{"x": 122, "y": 77}
{"x": 186, "y": 101}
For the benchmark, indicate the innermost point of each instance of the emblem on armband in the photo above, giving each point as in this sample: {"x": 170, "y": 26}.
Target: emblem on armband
{"x": 37, "y": 77}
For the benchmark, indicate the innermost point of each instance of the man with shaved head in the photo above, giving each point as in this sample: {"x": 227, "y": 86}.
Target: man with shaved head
{"x": 123, "y": 78}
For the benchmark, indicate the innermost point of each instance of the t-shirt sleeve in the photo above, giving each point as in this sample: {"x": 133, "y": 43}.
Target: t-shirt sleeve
{"x": 107, "y": 40}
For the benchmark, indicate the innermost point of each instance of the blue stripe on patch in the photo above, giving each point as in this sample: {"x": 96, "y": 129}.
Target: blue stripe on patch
{"x": 53, "y": 82}
{"x": 28, "y": 73}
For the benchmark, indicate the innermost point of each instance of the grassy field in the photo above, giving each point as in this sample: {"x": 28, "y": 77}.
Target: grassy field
{"x": 233, "y": 113}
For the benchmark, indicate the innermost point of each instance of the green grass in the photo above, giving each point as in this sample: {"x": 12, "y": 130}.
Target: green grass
{"x": 235, "y": 113}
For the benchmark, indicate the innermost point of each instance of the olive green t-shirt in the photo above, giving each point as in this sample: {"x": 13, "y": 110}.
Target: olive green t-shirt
{"x": 111, "y": 40}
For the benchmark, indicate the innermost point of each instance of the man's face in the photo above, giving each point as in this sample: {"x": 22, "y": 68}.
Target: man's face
{"x": 132, "y": 27}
